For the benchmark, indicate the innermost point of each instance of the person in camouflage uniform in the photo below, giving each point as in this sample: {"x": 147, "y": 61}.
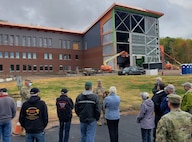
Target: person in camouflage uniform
{"x": 25, "y": 91}
{"x": 175, "y": 126}
{"x": 25, "y": 95}
{"x": 100, "y": 92}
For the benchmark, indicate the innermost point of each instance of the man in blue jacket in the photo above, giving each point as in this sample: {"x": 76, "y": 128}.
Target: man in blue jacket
{"x": 88, "y": 110}
{"x": 34, "y": 117}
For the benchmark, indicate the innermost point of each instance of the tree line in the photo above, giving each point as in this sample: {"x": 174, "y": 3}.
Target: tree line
{"x": 178, "y": 48}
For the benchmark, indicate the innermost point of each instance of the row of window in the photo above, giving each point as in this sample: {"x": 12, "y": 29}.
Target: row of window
{"x": 34, "y": 68}
{"x": 16, "y": 40}
{"x": 30, "y": 55}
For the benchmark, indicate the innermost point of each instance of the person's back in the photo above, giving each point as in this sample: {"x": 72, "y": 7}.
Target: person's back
{"x": 179, "y": 126}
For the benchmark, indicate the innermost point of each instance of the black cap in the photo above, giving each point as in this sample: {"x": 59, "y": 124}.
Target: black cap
{"x": 34, "y": 91}
{"x": 64, "y": 90}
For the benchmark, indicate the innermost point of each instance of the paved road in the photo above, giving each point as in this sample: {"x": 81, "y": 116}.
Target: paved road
{"x": 129, "y": 131}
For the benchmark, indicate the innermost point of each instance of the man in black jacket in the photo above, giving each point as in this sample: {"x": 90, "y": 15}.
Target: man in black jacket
{"x": 64, "y": 106}
{"x": 34, "y": 117}
{"x": 88, "y": 110}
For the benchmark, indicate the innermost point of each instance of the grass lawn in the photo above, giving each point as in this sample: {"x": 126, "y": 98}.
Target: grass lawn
{"x": 128, "y": 88}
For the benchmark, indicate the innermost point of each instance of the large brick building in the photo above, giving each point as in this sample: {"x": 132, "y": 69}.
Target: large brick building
{"x": 34, "y": 49}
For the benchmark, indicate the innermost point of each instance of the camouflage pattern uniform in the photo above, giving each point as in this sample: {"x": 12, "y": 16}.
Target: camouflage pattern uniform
{"x": 99, "y": 91}
{"x": 25, "y": 93}
{"x": 175, "y": 126}
{"x": 186, "y": 104}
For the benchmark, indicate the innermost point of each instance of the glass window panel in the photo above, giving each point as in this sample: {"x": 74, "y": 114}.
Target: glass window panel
{"x": 50, "y": 56}
{"x": 107, "y": 27}
{"x": 29, "y": 67}
{"x": 28, "y": 41}
{"x": 60, "y": 57}
{"x": 64, "y": 44}
{"x": 68, "y": 44}
{"x": 5, "y": 39}
{"x": 50, "y": 68}
{"x": 34, "y": 56}
{"x": 60, "y": 67}
{"x": 12, "y": 55}
{"x": 108, "y": 49}
{"x": 29, "y": 55}
{"x": 16, "y": 40}
{"x": 12, "y": 68}
{"x": 24, "y": 55}
{"x": 46, "y": 67}
{"x": 107, "y": 38}
{"x": 1, "y": 67}
{"x": 45, "y": 42}
{"x": 41, "y": 42}
{"x": 34, "y": 67}
{"x": 60, "y": 43}
{"x": 49, "y": 42}
{"x": 45, "y": 56}
{"x": 1, "y": 39}
{"x": 41, "y": 67}
{"x": 6, "y": 55}
{"x": 17, "y": 55}
{"x": 17, "y": 67}
{"x": 24, "y": 41}
{"x": 11, "y": 40}
{"x": 1, "y": 55}
{"x": 24, "y": 67}
{"x": 34, "y": 41}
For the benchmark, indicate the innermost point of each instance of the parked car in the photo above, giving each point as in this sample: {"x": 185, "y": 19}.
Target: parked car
{"x": 133, "y": 70}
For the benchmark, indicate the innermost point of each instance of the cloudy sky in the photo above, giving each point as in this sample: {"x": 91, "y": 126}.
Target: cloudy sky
{"x": 79, "y": 14}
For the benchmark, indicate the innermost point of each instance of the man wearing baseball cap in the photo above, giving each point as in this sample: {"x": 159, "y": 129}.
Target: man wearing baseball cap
{"x": 186, "y": 104}
{"x": 64, "y": 106}
{"x": 34, "y": 117}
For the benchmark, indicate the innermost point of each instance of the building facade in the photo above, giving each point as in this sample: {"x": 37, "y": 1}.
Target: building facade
{"x": 28, "y": 49}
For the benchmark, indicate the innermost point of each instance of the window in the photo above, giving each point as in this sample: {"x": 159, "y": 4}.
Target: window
{"x": 60, "y": 56}
{"x": 76, "y": 57}
{"x": 45, "y": 56}
{"x": 34, "y": 56}
{"x": 45, "y": 42}
{"x": 24, "y": 67}
{"x": 49, "y": 42}
{"x": 69, "y": 56}
{"x": 41, "y": 67}
{"x": 1, "y": 39}
{"x": 76, "y": 45}
{"x": 65, "y": 67}
{"x": 29, "y": 67}
{"x": 12, "y": 68}
{"x": 1, "y": 55}
{"x": 6, "y": 55}
{"x": 46, "y": 67}
{"x": 17, "y": 55}
{"x": 50, "y": 68}
{"x": 107, "y": 27}
{"x": 68, "y": 44}
{"x": 12, "y": 55}
{"x": 50, "y": 56}
{"x": 34, "y": 42}
{"x": 65, "y": 57}
{"x": 64, "y": 44}
{"x": 60, "y": 43}
{"x": 29, "y": 56}
{"x": 34, "y": 67}
{"x": 1, "y": 67}
{"x": 24, "y": 55}
{"x": 60, "y": 67}
{"x": 17, "y": 67}
{"x": 24, "y": 41}
{"x": 5, "y": 39}
{"x": 41, "y": 42}
{"x": 11, "y": 40}
{"x": 85, "y": 45}
{"x": 69, "y": 68}
{"x": 16, "y": 40}
{"x": 28, "y": 41}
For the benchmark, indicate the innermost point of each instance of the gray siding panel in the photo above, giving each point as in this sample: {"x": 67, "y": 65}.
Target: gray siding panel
{"x": 92, "y": 37}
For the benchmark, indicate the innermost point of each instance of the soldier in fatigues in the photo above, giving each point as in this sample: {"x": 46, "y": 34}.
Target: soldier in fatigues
{"x": 25, "y": 95}
{"x": 100, "y": 92}
{"x": 175, "y": 126}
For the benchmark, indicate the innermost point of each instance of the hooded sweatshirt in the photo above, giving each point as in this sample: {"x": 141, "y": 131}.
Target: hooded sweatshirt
{"x": 145, "y": 117}
{"x": 33, "y": 115}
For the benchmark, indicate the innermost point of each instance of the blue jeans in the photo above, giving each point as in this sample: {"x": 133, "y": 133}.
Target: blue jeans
{"x": 36, "y": 137}
{"x": 5, "y": 131}
{"x": 64, "y": 126}
{"x": 146, "y": 135}
{"x": 88, "y": 131}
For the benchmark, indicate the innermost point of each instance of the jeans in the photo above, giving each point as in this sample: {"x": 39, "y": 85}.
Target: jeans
{"x": 36, "y": 137}
{"x": 64, "y": 126}
{"x": 146, "y": 135}
{"x": 88, "y": 131}
{"x": 113, "y": 129}
{"x": 5, "y": 131}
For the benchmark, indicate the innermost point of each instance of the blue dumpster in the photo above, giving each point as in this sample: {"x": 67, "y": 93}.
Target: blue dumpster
{"x": 184, "y": 69}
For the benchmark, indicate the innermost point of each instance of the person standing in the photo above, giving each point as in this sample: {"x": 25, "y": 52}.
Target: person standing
{"x": 6, "y": 115}
{"x": 112, "y": 115}
{"x": 25, "y": 91}
{"x": 64, "y": 106}
{"x": 157, "y": 81}
{"x": 88, "y": 110}
{"x": 175, "y": 126}
{"x": 170, "y": 89}
{"x": 186, "y": 104}
{"x": 145, "y": 117}
{"x": 100, "y": 92}
{"x": 34, "y": 117}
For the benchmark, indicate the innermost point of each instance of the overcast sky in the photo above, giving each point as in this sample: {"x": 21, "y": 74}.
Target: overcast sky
{"x": 78, "y": 15}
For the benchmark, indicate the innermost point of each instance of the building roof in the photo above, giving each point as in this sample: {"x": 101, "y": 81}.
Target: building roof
{"x": 132, "y": 9}
{"x": 113, "y": 6}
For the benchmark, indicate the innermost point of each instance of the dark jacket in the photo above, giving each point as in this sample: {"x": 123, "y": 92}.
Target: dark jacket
{"x": 64, "y": 106}
{"x": 87, "y": 107}
{"x": 33, "y": 115}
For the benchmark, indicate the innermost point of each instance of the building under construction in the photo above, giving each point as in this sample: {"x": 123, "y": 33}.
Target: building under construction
{"x": 34, "y": 49}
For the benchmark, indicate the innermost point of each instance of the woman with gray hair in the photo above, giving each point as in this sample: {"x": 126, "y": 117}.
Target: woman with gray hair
{"x": 145, "y": 117}
{"x": 112, "y": 114}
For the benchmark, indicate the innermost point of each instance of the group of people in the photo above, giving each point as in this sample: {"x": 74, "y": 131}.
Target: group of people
{"x": 172, "y": 121}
